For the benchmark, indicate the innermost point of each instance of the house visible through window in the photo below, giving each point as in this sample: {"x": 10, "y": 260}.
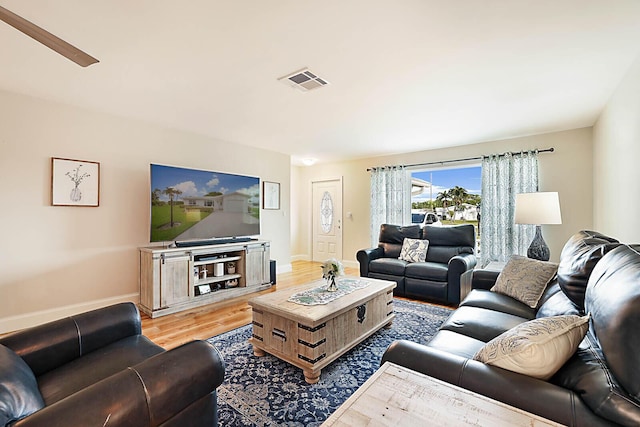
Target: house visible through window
{"x": 447, "y": 196}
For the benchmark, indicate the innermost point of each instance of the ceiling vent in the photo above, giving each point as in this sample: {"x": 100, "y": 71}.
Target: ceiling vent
{"x": 304, "y": 80}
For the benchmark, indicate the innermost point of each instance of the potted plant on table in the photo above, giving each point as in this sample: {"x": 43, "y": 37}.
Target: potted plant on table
{"x": 330, "y": 269}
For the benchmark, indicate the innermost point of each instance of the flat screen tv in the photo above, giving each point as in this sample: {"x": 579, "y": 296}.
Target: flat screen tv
{"x": 188, "y": 205}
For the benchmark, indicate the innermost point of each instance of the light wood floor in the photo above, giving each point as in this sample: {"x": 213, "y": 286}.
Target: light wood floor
{"x": 204, "y": 322}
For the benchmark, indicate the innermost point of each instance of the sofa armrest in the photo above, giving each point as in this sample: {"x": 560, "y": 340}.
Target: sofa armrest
{"x": 484, "y": 279}
{"x": 54, "y": 344}
{"x": 365, "y": 256}
{"x": 457, "y": 266}
{"x": 147, "y": 394}
{"x": 175, "y": 379}
{"x": 521, "y": 391}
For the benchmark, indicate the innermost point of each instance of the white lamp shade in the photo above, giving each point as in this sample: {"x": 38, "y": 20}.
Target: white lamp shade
{"x": 538, "y": 208}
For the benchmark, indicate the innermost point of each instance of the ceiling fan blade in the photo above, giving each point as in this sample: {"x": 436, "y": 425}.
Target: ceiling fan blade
{"x": 46, "y": 38}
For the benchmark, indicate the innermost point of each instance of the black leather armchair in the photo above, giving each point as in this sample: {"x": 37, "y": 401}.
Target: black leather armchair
{"x": 97, "y": 369}
{"x": 450, "y": 253}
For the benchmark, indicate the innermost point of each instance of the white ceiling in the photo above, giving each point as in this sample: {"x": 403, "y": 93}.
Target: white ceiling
{"x": 404, "y": 75}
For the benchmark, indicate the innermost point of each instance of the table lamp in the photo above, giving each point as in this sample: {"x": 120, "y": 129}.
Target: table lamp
{"x": 538, "y": 208}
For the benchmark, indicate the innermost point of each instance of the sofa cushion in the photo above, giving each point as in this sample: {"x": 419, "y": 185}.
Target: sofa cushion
{"x": 578, "y": 258}
{"x": 19, "y": 394}
{"x": 392, "y": 236}
{"x": 554, "y": 302}
{"x": 442, "y": 254}
{"x": 497, "y": 302}
{"x": 445, "y": 242}
{"x": 50, "y": 345}
{"x": 392, "y": 266}
{"x": 525, "y": 279}
{"x": 455, "y": 343}
{"x": 480, "y": 323}
{"x": 414, "y": 250}
{"x": 587, "y": 374}
{"x": 613, "y": 299}
{"x": 95, "y": 366}
{"x": 456, "y": 235}
{"x": 427, "y": 271}
{"x": 537, "y": 348}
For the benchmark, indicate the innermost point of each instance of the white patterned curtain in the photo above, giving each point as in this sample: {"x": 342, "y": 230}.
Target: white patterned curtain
{"x": 504, "y": 176}
{"x": 390, "y": 198}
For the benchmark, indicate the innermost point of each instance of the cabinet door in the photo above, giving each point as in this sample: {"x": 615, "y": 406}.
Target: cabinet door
{"x": 255, "y": 265}
{"x": 175, "y": 279}
{"x": 266, "y": 259}
{"x": 149, "y": 281}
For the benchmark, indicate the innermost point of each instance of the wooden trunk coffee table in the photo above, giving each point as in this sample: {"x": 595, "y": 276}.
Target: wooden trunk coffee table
{"x": 312, "y": 336}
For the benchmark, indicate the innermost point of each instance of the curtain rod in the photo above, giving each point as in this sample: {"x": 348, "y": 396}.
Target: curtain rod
{"x": 546, "y": 150}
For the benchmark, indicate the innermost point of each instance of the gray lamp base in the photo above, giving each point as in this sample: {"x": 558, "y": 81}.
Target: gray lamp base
{"x": 538, "y": 248}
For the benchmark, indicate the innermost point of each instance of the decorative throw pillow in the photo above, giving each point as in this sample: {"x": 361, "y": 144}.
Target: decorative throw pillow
{"x": 414, "y": 250}
{"x": 19, "y": 393}
{"x": 537, "y": 348}
{"x": 525, "y": 279}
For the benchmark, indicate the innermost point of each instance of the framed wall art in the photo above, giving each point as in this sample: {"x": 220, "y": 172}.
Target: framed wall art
{"x": 75, "y": 182}
{"x": 270, "y": 195}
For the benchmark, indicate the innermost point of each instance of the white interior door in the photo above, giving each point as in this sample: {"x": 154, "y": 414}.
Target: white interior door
{"x": 327, "y": 219}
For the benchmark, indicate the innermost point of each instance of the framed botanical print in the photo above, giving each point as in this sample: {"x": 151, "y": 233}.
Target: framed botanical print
{"x": 75, "y": 182}
{"x": 270, "y": 195}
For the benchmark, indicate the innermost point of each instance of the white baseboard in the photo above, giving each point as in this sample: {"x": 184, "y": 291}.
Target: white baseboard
{"x": 283, "y": 268}
{"x": 300, "y": 257}
{"x": 27, "y": 320}
{"x": 306, "y": 257}
{"x": 354, "y": 264}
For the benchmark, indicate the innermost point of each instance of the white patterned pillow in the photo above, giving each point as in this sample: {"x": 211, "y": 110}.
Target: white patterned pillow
{"x": 414, "y": 250}
{"x": 525, "y": 279}
{"x": 537, "y": 348}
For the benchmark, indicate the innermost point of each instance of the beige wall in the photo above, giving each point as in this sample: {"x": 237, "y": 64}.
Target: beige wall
{"x": 59, "y": 260}
{"x": 567, "y": 170}
{"x": 616, "y": 168}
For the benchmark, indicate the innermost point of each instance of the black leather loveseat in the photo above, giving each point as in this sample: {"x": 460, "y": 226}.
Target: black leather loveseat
{"x": 598, "y": 386}
{"x": 450, "y": 253}
{"x": 96, "y": 369}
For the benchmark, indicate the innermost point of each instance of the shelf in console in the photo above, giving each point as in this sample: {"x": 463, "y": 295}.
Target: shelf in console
{"x": 211, "y": 260}
{"x": 216, "y": 279}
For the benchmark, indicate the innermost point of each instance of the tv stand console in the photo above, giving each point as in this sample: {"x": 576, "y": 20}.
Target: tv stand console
{"x": 177, "y": 279}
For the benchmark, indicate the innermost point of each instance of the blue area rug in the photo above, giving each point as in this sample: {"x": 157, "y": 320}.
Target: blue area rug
{"x": 265, "y": 391}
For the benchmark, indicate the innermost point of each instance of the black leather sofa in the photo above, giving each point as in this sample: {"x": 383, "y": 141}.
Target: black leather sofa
{"x": 96, "y": 369}
{"x": 598, "y": 386}
{"x": 450, "y": 253}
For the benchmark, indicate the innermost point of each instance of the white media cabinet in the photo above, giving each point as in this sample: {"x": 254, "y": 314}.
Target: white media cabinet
{"x": 176, "y": 279}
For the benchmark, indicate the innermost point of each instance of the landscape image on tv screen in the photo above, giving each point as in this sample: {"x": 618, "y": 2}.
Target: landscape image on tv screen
{"x": 188, "y": 204}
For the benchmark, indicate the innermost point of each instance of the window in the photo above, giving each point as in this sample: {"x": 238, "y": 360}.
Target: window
{"x": 447, "y": 196}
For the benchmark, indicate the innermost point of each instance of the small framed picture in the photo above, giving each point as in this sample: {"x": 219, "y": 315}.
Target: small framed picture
{"x": 75, "y": 182}
{"x": 270, "y": 195}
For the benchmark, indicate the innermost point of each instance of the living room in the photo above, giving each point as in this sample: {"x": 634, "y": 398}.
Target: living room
{"x": 65, "y": 260}
{"x": 592, "y": 169}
